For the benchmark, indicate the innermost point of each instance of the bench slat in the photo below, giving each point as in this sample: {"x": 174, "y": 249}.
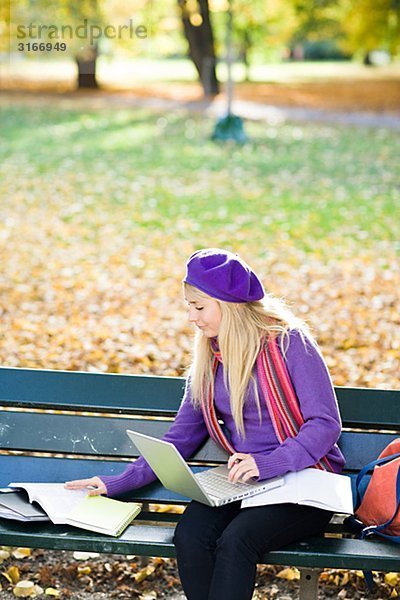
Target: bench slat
{"x": 363, "y": 407}
{"x": 96, "y": 391}
{"x": 322, "y": 552}
{"x": 160, "y": 395}
{"x": 106, "y": 436}
{"x": 93, "y": 436}
{"x": 148, "y": 540}
{"x": 141, "y": 539}
{"x": 361, "y": 448}
{"x": 103, "y": 436}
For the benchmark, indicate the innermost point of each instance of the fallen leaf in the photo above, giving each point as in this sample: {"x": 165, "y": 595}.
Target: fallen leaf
{"x": 345, "y": 578}
{"x": 37, "y": 591}
{"x": 21, "y": 553}
{"x": 359, "y": 574}
{"x": 6, "y": 575}
{"x": 144, "y": 573}
{"x": 148, "y": 596}
{"x": 85, "y": 555}
{"x": 392, "y": 579}
{"x": 84, "y": 570}
{"x": 13, "y": 572}
{"x": 4, "y": 555}
{"x": 52, "y": 592}
{"x": 24, "y": 589}
{"x": 290, "y": 574}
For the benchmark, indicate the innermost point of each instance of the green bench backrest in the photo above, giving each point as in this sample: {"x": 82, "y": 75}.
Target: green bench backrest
{"x": 71, "y": 390}
{"x": 37, "y": 418}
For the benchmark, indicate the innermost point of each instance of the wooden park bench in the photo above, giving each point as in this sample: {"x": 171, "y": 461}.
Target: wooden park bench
{"x": 62, "y": 425}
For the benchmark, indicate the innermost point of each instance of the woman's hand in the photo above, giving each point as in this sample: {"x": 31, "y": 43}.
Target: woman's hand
{"x": 94, "y": 485}
{"x": 242, "y": 467}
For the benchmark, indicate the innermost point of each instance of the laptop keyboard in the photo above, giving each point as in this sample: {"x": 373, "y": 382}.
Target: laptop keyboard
{"x": 217, "y": 484}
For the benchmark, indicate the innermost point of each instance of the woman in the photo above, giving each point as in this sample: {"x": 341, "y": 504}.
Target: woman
{"x": 255, "y": 367}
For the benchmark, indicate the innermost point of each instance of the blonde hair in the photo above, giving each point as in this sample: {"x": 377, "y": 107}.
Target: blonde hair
{"x": 243, "y": 328}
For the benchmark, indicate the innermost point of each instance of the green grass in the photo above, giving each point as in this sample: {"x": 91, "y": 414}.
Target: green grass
{"x": 321, "y": 187}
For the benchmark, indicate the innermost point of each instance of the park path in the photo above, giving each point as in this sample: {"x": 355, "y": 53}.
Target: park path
{"x": 272, "y": 114}
{"x": 255, "y": 110}
{"x": 276, "y": 115}
{"x": 252, "y": 110}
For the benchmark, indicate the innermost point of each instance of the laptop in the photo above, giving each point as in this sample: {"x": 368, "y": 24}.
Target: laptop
{"x": 209, "y": 487}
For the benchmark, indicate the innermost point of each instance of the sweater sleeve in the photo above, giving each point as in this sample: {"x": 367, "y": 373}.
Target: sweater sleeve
{"x": 187, "y": 433}
{"x": 318, "y": 404}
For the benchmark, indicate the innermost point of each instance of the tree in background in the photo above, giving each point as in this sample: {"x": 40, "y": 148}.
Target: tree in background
{"x": 251, "y": 23}
{"x": 85, "y": 56}
{"x": 88, "y": 20}
{"x": 198, "y": 30}
{"x": 314, "y": 22}
{"x": 68, "y": 14}
{"x": 372, "y": 25}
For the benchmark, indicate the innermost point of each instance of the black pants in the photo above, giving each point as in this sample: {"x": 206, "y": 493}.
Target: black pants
{"x": 218, "y": 548}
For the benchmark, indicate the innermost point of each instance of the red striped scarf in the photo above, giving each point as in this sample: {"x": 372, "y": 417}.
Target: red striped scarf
{"x": 279, "y": 395}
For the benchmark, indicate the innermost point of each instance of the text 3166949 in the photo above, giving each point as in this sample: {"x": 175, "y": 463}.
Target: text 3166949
{"x": 42, "y": 46}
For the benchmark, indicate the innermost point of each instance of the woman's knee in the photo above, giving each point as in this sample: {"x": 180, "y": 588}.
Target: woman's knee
{"x": 200, "y": 526}
{"x": 183, "y": 536}
{"x": 190, "y": 530}
{"x": 235, "y": 542}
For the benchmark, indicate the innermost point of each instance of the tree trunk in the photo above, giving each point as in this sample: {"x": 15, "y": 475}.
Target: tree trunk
{"x": 86, "y": 62}
{"x": 367, "y": 59}
{"x": 245, "y": 47}
{"x": 201, "y": 46}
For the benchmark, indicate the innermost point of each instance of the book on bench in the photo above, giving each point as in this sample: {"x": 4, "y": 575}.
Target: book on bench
{"x": 14, "y": 505}
{"x": 312, "y": 487}
{"x": 68, "y": 507}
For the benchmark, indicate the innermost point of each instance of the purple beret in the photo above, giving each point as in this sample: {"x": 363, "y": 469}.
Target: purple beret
{"x": 223, "y": 275}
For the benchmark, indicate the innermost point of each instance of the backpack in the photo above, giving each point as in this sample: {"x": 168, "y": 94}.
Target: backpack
{"x": 378, "y": 500}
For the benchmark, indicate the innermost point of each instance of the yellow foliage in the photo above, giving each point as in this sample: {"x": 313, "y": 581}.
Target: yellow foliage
{"x": 21, "y": 552}
{"x": 148, "y": 570}
{"x": 289, "y": 573}
{"x": 392, "y": 579}
{"x": 13, "y": 573}
{"x": 4, "y": 555}
{"x": 24, "y": 589}
{"x": 84, "y": 571}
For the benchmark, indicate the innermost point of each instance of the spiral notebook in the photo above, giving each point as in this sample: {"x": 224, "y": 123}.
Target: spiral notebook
{"x": 103, "y": 515}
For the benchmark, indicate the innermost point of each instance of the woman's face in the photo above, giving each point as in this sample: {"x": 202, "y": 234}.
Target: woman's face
{"x": 205, "y": 313}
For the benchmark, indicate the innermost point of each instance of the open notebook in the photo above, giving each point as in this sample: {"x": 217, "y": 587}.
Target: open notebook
{"x": 75, "y": 507}
{"x": 312, "y": 487}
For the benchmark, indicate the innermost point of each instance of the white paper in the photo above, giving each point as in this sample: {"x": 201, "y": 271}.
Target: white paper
{"x": 54, "y": 498}
{"x": 312, "y": 487}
